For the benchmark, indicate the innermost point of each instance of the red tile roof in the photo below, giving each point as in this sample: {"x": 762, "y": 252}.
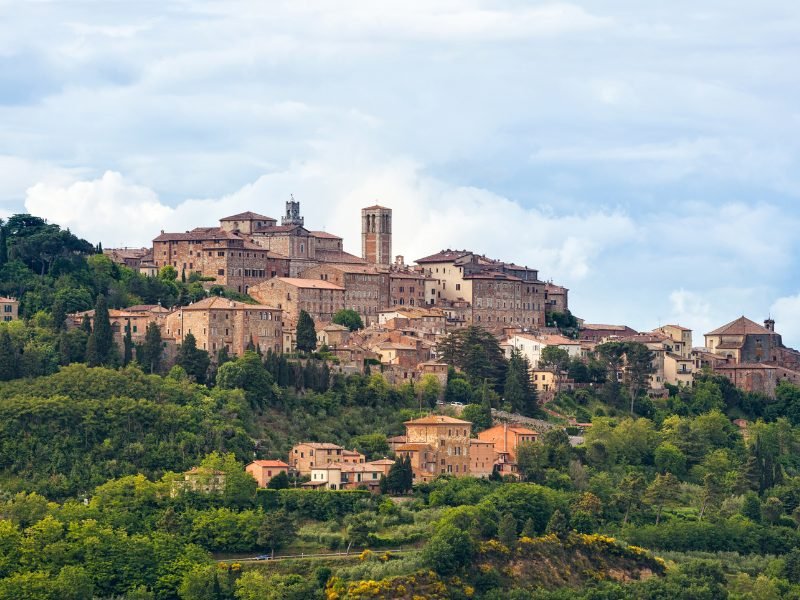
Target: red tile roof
{"x": 443, "y": 256}
{"x": 270, "y": 463}
{"x": 437, "y": 420}
{"x": 741, "y": 326}
{"x": 248, "y": 216}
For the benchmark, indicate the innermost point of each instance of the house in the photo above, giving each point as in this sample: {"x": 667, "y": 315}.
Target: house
{"x": 320, "y": 299}
{"x": 437, "y": 444}
{"x": 507, "y": 438}
{"x": 482, "y": 457}
{"x": 343, "y": 476}
{"x": 366, "y": 289}
{"x": 202, "y": 480}
{"x": 531, "y": 345}
{"x": 307, "y": 455}
{"x": 333, "y": 335}
{"x": 9, "y": 309}
{"x": 264, "y": 470}
{"x": 218, "y": 323}
{"x": 497, "y": 294}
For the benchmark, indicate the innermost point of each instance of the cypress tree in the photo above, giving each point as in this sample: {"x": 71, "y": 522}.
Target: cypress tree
{"x": 92, "y": 357}
{"x": 86, "y": 324}
{"x": 408, "y": 474}
{"x": 127, "y": 355}
{"x": 59, "y": 313}
{"x": 103, "y": 336}
{"x": 149, "y": 353}
{"x": 306, "y": 334}
{"x": 195, "y": 362}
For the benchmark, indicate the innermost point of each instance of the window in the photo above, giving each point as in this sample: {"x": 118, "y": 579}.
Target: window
{"x": 7, "y": 308}
{"x": 458, "y": 287}
{"x": 220, "y": 271}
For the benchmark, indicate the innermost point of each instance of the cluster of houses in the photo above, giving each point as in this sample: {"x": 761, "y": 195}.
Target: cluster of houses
{"x": 435, "y": 445}
{"x": 406, "y": 310}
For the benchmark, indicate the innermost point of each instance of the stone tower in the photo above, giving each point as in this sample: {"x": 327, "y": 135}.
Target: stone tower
{"x": 292, "y": 213}
{"x": 376, "y": 235}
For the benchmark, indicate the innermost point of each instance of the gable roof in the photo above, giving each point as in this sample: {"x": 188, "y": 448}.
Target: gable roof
{"x": 270, "y": 463}
{"x": 307, "y": 283}
{"x": 437, "y": 420}
{"x": 443, "y": 256}
{"x": 220, "y": 303}
{"x": 324, "y": 235}
{"x": 741, "y": 326}
{"x": 248, "y": 216}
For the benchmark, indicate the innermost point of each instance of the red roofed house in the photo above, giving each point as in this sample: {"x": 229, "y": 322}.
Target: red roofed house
{"x": 264, "y": 470}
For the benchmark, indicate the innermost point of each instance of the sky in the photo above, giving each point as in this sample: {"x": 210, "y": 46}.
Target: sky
{"x": 646, "y": 155}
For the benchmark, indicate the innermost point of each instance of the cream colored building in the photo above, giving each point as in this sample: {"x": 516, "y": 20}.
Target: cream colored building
{"x": 218, "y": 323}
{"x": 9, "y": 309}
{"x": 448, "y": 440}
{"x": 482, "y": 457}
{"x": 531, "y": 345}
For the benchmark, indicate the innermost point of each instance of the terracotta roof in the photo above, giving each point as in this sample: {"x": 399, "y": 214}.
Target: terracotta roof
{"x": 198, "y": 233}
{"x": 4, "y": 299}
{"x": 759, "y": 366}
{"x": 437, "y": 420}
{"x": 382, "y": 461}
{"x": 307, "y": 283}
{"x": 407, "y": 275}
{"x": 335, "y": 327}
{"x": 321, "y": 445}
{"x": 443, "y": 256}
{"x": 518, "y": 429}
{"x": 741, "y": 326}
{"x": 678, "y": 327}
{"x": 220, "y": 303}
{"x": 354, "y": 268}
{"x": 473, "y": 441}
{"x": 552, "y": 287}
{"x": 598, "y": 326}
{"x": 270, "y": 463}
{"x": 248, "y": 216}
{"x": 730, "y": 345}
{"x": 324, "y": 235}
{"x": 374, "y": 206}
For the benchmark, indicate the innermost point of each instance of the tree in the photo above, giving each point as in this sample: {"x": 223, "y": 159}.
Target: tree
{"x": 477, "y": 353}
{"x": 127, "y": 354}
{"x": 751, "y": 507}
{"x": 249, "y": 374}
{"x": 630, "y": 492}
{"x": 8, "y": 356}
{"x": 558, "y": 524}
{"x": 479, "y": 414}
{"x": 458, "y": 390}
{"x": 276, "y": 531}
{"x": 449, "y": 550}
{"x": 662, "y": 491}
{"x": 279, "y": 482}
{"x": 638, "y": 368}
{"x": 669, "y": 458}
{"x": 507, "y": 530}
{"x": 149, "y": 353}
{"x": 372, "y": 445}
{"x": 557, "y": 360}
{"x": 3, "y": 245}
{"x": 102, "y": 333}
{"x": 194, "y": 361}
{"x": 168, "y": 273}
{"x": 430, "y": 390}
{"x": 349, "y": 318}
{"x": 518, "y": 390}
{"x": 306, "y": 334}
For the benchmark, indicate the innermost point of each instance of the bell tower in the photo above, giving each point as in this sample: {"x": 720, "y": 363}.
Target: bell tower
{"x": 376, "y": 235}
{"x": 292, "y": 213}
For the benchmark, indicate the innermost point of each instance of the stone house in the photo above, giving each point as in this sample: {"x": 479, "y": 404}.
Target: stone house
{"x": 366, "y": 289}
{"x": 218, "y": 323}
{"x": 320, "y": 299}
{"x": 9, "y": 309}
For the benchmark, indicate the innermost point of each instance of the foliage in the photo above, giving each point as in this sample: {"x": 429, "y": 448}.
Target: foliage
{"x": 306, "y": 334}
{"x": 349, "y": 318}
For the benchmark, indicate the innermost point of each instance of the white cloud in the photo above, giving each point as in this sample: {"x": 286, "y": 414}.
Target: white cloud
{"x": 786, "y": 312}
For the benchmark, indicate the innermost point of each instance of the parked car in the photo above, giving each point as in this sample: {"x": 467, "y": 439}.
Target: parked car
{"x": 263, "y": 557}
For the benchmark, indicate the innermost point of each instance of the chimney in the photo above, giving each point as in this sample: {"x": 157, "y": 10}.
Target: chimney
{"x": 769, "y": 323}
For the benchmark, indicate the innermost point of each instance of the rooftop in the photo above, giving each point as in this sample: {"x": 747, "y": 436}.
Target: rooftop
{"x": 248, "y": 216}
{"x": 437, "y": 420}
{"x": 317, "y": 284}
{"x": 741, "y": 326}
{"x": 270, "y": 463}
{"x": 443, "y": 256}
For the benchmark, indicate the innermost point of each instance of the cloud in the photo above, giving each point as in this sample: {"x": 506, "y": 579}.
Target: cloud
{"x": 786, "y": 312}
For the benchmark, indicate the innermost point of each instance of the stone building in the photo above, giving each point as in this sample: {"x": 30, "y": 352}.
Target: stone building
{"x": 482, "y": 457}
{"x": 507, "y": 438}
{"x": 498, "y": 294}
{"x": 305, "y": 456}
{"x": 9, "y": 309}
{"x": 320, "y": 299}
{"x": 233, "y": 261}
{"x": 366, "y": 289}
{"x": 218, "y": 323}
{"x": 599, "y": 333}
{"x": 376, "y": 235}
{"x": 745, "y": 341}
{"x": 437, "y": 445}
{"x": 130, "y": 257}
{"x": 406, "y": 288}
{"x": 136, "y": 318}
{"x": 556, "y": 298}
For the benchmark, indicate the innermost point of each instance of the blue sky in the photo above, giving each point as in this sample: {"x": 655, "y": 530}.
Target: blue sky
{"x": 647, "y": 157}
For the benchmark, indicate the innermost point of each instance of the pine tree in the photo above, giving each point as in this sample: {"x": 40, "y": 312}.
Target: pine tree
{"x": 558, "y": 524}
{"x": 306, "y": 334}
{"x": 127, "y": 342}
{"x": 103, "y": 336}
{"x": 519, "y": 391}
{"x": 507, "y": 530}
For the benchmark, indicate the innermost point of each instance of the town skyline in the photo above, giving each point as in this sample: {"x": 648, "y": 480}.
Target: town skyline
{"x": 643, "y": 150}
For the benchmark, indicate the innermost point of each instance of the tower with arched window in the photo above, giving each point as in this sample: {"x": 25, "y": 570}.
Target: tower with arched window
{"x": 376, "y": 235}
